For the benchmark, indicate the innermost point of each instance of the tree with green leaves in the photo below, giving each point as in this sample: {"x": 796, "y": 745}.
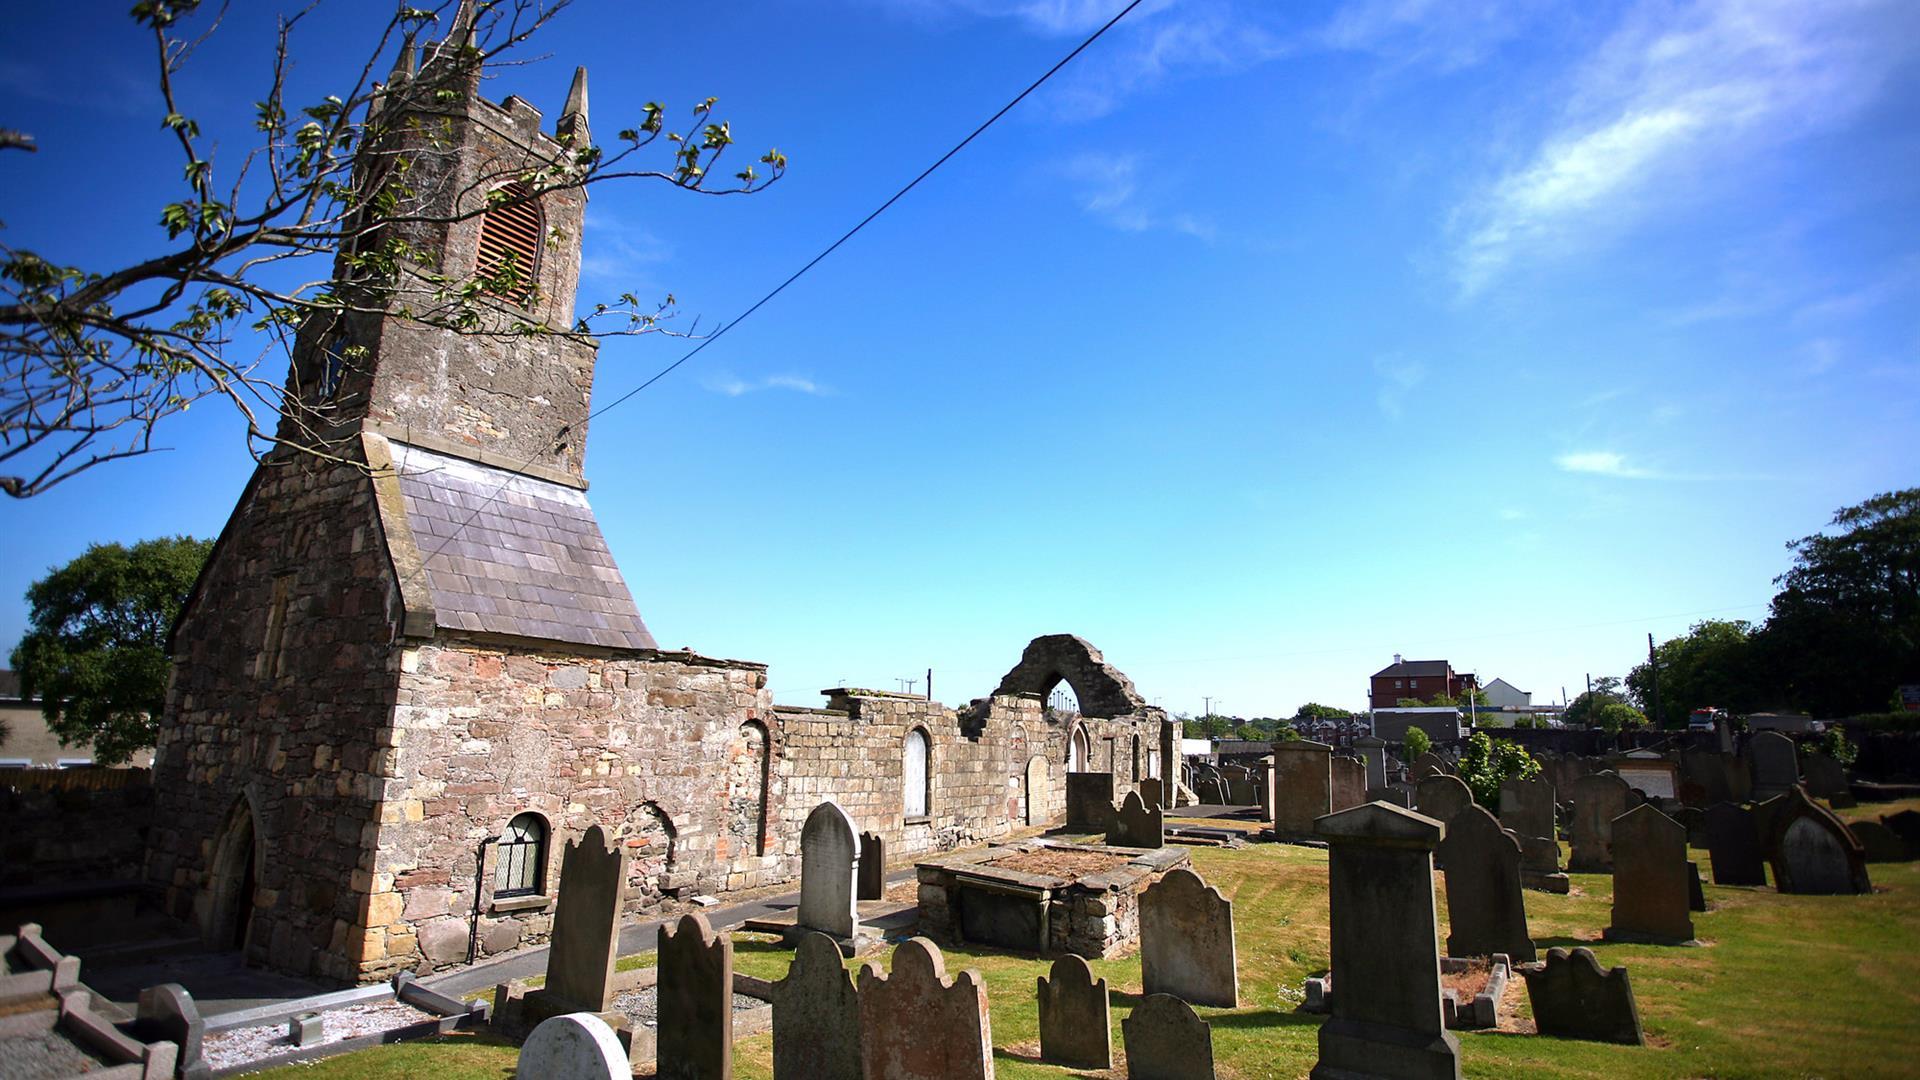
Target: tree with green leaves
{"x": 95, "y": 358}
{"x": 1313, "y": 710}
{"x": 1844, "y": 631}
{"x": 1714, "y": 665}
{"x": 1614, "y": 717}
{"x": 1487, "y": 763}
{"x": 1417, "y": 742}
{"x": 1584, "y": 710}
{"x": 96, "y": 646}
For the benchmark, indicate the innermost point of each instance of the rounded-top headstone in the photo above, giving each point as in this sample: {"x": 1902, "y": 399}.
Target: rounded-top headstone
{"x": 576, "y": 1046}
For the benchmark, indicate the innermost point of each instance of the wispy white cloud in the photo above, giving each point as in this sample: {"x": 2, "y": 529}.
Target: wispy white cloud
{"x": 1114, "y": 190}
{"x": 1602, "y": 463}
{"x": 1512, "y": 513}
{"x": 618, "y": 254}
{"x": 1441, "y": 34}
{"x": 1398, "y": 377}
{"x": 1674, "y": 90}
{"x": 725, "y": 382}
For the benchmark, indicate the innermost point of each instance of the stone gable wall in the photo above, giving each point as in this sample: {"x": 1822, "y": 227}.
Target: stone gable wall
{"x": 304, "y": 748}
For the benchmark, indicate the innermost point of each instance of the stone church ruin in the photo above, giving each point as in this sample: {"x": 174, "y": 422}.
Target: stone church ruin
{"x": 406, "y": 679}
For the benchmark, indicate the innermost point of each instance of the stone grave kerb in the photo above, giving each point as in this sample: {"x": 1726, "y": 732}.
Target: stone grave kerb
{"x": 586, "y": 938}
{"x": 1076, "y": 1020}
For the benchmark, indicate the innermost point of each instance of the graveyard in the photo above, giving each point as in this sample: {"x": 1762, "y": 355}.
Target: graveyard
{"x": 1780, "y": 984}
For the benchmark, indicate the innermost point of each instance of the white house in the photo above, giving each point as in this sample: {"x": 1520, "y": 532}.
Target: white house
{"x": 1502, "y": 694}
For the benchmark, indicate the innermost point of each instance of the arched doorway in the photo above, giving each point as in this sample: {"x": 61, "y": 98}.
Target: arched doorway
{"x": 1079, "y": 750}
{"x": 650, "y": 839}
{"x": 231, "y": 881}
{"x": 747, "y": 791}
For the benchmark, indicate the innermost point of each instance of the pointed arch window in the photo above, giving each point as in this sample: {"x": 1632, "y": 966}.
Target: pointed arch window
{"x": 510, "y": 234}
{"x": 522, "y": 869}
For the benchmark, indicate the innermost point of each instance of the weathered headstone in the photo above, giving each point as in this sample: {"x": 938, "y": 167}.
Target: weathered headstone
{"x": 1039, "y": 791}
{"x": 1775, "y": 763}
{"x": 1486, "y": 912}
{"x": 695, "y": 1001}
{"x": 1906, "y": 826}
{"x": 1349, "y": 783}
{"x": 1440, "y": 797}
{"x": 1598, "y": 799}
{"x": 1428, "y": 764}
{"x": 167, "y": 1013}
{"x": 1186, "y": 941}
{"x": 1710, "y": 770}
{"x": 829, "y": 850}
{"x": 1766, "y": 813}
{"x": 1694, "y": 820}
{"x": 1089, "y": 801}
{"x": 1696, "y": 891}
{"x": 1649, "y": 878}
{"x": 1241, "y": 790}
{"x": 1879, "y": 842}
{"x": 1526, "y": 807}
{"x": 1385, "y": 941}
{"x": 917, "y": 1024}
{"x": 1137, "y": 825}
{"x": 1574, "y": 998}
{"x": 1076, "y": 1026}
{"x": 576, "y": 1046}
{"x": 1373, "y": 754}
{"x": 1813, "y": 852}
{"x": 1167, "y": 1040}
{"x": 816, "y": 1015}
{"x": 1300, "y": 786}
{"x": 1653, "y": 776}
{"x": 1826, "y": 779}
{"x": 580, "y": 955}
{"x": 1150, "y": 791}
{"x": 873, "y": 867}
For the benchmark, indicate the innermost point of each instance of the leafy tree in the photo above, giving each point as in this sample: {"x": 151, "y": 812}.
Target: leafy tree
{"x": 1845, "y": 625}
{"x": 1417, "y": 742}
{"x": 94, "y": 358}
{"x": 1715, "y": 664}
{"x": 96, "y": 647}
{"x": 1833, "y": 743}
{"x": 1583, "y": 711}
{"x": 1487, "y": 763}
{"x": 1617, "y": 716}
{"x": 1313, "y": 710}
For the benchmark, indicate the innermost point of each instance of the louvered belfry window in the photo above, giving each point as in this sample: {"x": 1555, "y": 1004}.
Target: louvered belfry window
{"x": 510, "y": 231}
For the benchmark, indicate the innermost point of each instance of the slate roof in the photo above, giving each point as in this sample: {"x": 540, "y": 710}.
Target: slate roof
{"x": 1413, "y": 668}
{"x": 531, "y": 563}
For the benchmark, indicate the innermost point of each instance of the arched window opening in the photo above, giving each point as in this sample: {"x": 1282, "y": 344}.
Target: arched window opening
{"x": 1079, "y": 751}
{"x": 522, "y": 867}
{"x": 510, "y": 233}
{"x": 651, "y": 842}
{"x": 747, "y": 790}
{"x": 1137, "y": 774}
{"x": 1062, "y": 701}
{"x": 913, "y": 778}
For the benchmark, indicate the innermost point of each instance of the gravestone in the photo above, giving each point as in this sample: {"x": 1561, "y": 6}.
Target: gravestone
{"x": 829, "y": 850}
{"x": 576, "y": 1046}
{"x": 1649, "y": 879}
{"x": 1653, "y": 777}
{"x": 1186, "y": 941}
{"x": 1137, "y": 825}
{"x": 1775, "y": 764}
{"x": 917, "y": 1024}
{"x": 1167, "y": 1040}
{"x": 1089, "y": 801}
{"x": 1241, "y": 789}
{"x": 1300, "y": 786}
{"x": 1696, "y": 892}
{"x": 1574, "y": 998}
{"x": 816, "y": 1015}
{"x": 1709, "y": 769}
{"x": 1526, "y": 807}
{"x": 593, "y": 873}
{"x": 1211, "y": 789}
{"x": 1440, "y": 797}
{"x": 1486, "y": 912}
{"x": 167, "y": 1013}
{"x": 1076, "y": 1027}
{"x": 1598, "y": 798}
{"x": 1879, "y": 842}
{"x": 1373, "y": 754}
{"x": 873, "y": 867}
{"x": 1149, "y": 787}
{"x": 695, "y": 991}
{"x": 1039, "y": 793}
{"x": 1428, "y": 764}
{"x": 1766, "y": 813}
{"x": 1694, "y": 820}
{"x": 1349, "y": 783}
{"x": 1813, "y": 852}
{"x": 1384, "y": 942}
{"x": 1906, "y": 826}
{"x": 1827, "y": 779}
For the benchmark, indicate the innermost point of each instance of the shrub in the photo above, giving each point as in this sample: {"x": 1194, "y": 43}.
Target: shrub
{"x": 1417, "y": 742}
{"x": 1488, "y": 762}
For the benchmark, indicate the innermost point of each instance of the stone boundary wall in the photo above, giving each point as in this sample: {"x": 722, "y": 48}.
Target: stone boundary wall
{"x": 66, "y": 835}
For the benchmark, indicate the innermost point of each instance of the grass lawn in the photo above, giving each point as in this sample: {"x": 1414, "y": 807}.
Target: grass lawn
{"x": 1783, "y": 986}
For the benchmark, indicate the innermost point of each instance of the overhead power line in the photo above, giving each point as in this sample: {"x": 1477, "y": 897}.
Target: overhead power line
{"x": 793, "y": 277}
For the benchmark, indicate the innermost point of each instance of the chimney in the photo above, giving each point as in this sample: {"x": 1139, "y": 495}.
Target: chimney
{"x": 1396, "y": 658}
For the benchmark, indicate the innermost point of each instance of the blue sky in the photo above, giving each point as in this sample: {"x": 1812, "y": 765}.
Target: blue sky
{"x": 1268, "y": 341}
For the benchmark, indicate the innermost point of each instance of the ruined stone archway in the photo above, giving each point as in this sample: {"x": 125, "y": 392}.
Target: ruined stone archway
{"x": 1047, "y": 661}
{"x": 747, "y": 778}
{"x": 233, "y": 877}
{"x": 652, "y": 843}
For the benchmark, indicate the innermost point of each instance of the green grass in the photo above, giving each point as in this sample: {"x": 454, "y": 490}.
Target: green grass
{"x": 1783, "y": 986}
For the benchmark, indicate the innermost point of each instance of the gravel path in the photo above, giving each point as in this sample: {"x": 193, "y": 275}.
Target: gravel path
{"x": 642, "y": 1006}
{"x": 237, "y": 1046}
{"x": 45, "y": 1056}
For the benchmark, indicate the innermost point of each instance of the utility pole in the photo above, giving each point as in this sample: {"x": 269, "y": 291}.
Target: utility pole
{"x": 1653, "y": 665}
{"x": 929, "y": 684}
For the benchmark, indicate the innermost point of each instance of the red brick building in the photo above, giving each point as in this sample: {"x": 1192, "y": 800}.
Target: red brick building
{"x": 1420, "y": 679}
